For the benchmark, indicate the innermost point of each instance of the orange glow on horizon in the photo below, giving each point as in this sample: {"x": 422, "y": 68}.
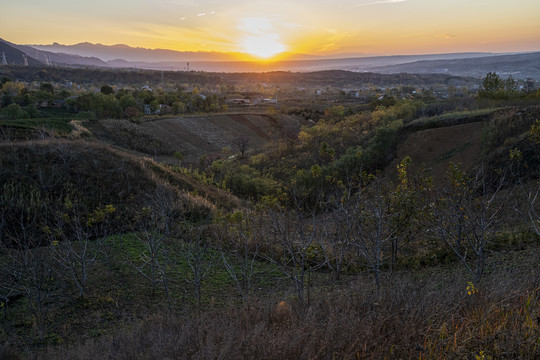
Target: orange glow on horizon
{"x": 277, "y": 30}
{"x": 263, "y": 46}
{"x": 259, "y": 37}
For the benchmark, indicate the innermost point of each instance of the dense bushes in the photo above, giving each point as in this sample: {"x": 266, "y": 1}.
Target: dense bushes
{"x": 507, "y": 124}
{"x": 243, "y": 180}
{"x": 326, "y": 156}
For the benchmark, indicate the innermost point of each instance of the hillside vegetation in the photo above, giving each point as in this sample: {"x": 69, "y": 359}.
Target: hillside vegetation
{"x": 195, "y": 136}
{"x": 402, "y": 228}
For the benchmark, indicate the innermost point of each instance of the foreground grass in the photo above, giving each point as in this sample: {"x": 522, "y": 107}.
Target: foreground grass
{"x": 427, "y": 314}
{"x": 426, "y": 317}
{"x": 119, "y": 291}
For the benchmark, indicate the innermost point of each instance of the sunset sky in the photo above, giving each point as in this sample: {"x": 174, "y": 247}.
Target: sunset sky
{"x": 264, "y": 28}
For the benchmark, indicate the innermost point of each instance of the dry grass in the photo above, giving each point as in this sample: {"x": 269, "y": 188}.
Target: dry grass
{"x": 79, "y": 130}
{"x": 130, "y": 136}
{"x": 426, "y": 316}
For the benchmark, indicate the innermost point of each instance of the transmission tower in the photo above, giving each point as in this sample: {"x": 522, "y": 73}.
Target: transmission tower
{"x": 4, "y": 61}
{"x": 25, "y": 57}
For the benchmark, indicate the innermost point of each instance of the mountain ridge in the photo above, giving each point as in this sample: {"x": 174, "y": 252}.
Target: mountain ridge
{"x": 469, "y": 64}
{"x": 14, "y": 56}
{"x": 108, "y": 53}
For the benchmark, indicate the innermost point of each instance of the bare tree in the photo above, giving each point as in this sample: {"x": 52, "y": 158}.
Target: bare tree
{"x": 531, "y": 196}
{"x": 532, "y": 211}
{"x": 27, "y": 261}
{"x": 32, "y": 273}
{"x": 241, "y": 143}
{"x": 239, "y": 235}
{"x": 408, "y": 206}
{"x": 467, "y": 216}
{"x": 26, "y": 264}
{"x": 78, "y": 240}
{"x": 373, "y": 226}
{"x": 289, "y": 134}
{"x": 198, "y": 258}
{"x": 338, "y": 227}
{"x": 43, "y": 132}
{"x": 66, "y": 152}
{"x": 292, "y": 245}
{"x": 6, "y": 133}
{"x": 47, "y": 177}
{"x": 153, "y": 227}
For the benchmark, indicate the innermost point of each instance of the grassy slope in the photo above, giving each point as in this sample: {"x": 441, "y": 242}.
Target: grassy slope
{"x": 93, "y": 174}
{"x": 413, "y": 317}
{"x": 91, "y": 158}
{"x": 193, "y": 136}
{"x": 464, "y": 137}
{"x": 426, "y": 314}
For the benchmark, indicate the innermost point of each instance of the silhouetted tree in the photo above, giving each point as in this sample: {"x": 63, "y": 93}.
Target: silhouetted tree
{"x": 106, "y": 90}
{"x": 241, "y": 143}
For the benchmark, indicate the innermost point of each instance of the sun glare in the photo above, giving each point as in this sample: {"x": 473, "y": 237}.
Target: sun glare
{"x": 260, "y": 38}
{"x": 263, "y": 46}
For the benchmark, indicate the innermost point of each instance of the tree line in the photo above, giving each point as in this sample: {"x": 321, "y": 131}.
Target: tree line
{"x": 20, "y": 102}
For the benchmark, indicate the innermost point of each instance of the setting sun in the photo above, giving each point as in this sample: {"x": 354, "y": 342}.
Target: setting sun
{"x": 260, "y": 38}
{"x": 263, "y": 46}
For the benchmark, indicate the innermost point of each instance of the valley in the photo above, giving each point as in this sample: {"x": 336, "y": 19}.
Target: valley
{"x": 142, "y": 218}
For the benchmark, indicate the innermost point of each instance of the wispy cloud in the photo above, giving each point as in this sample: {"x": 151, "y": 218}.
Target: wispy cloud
{"x": 199, "y": 15}
{"x": 447, "y": 36}
{"x": 380, "y": 2}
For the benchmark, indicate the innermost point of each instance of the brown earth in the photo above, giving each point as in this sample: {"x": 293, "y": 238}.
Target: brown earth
{"x": 435, "y": 148}
{"x": 209, "y": 134}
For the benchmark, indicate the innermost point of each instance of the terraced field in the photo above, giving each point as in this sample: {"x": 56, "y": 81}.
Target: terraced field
{"x": 209, "y": 134}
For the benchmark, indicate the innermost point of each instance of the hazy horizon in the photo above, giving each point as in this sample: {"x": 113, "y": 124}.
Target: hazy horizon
{"x": 289, "y": 56}
{"x": 266, "y": 29}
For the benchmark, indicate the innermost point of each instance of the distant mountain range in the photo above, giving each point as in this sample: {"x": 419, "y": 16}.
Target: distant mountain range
{"x": 520, "y": 66}
{"x": 11, "y": 55}
{"x": 135, "y": 54}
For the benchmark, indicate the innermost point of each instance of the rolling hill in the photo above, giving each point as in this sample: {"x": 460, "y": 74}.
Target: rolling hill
{"x": 48, "y": 57}
{"x": 15, "y": 56}
{"x": 193, "y": 136}
{"x": 519, "y": 66}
